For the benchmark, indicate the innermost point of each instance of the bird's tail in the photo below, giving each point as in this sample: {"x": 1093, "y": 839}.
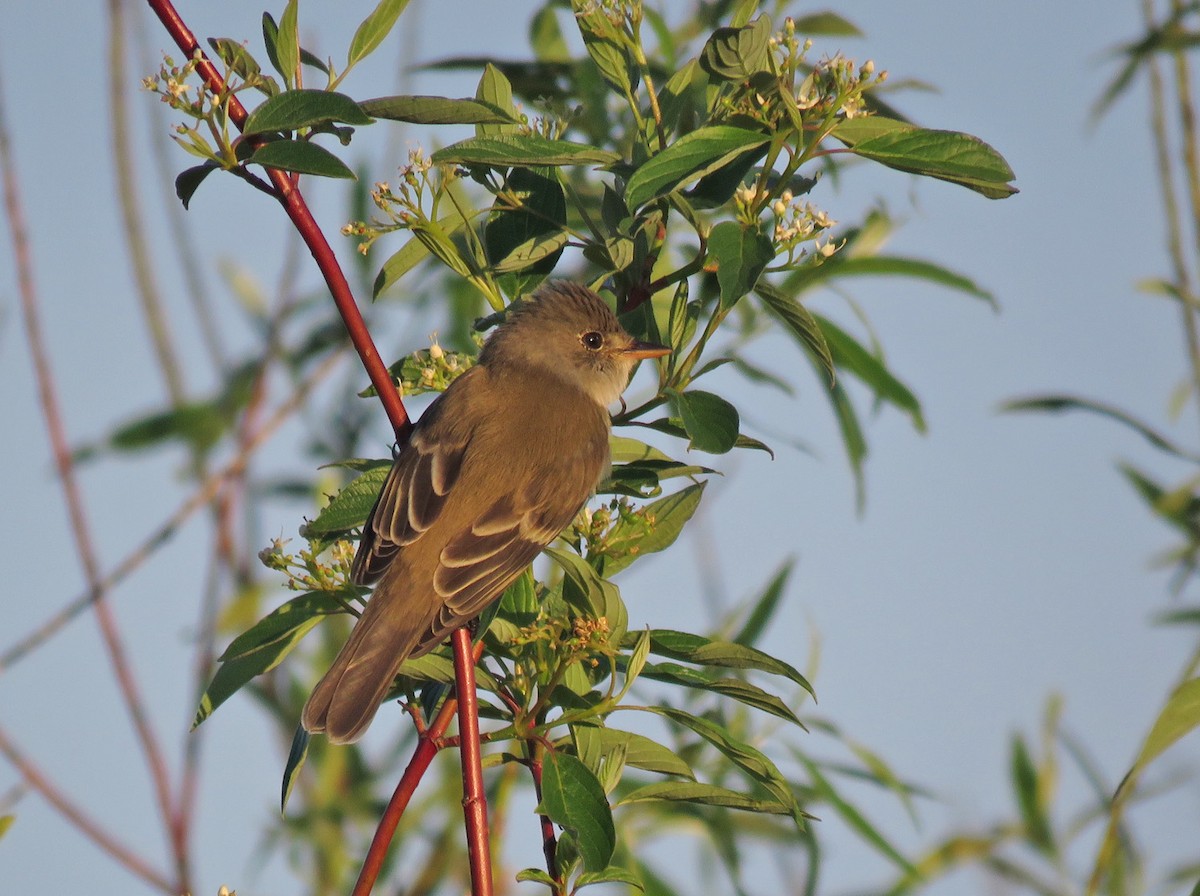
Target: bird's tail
{"x": 345, "y": 700}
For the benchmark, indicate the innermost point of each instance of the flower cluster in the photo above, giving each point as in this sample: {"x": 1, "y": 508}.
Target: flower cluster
{"x": 410, "y": 203}
{"x": 305, "y": 571}
{"x": 611, "y": 530}
{"x": 430, "y": 370}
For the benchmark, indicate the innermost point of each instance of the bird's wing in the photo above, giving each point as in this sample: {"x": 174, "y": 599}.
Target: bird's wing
{"x": 417, "y": 485}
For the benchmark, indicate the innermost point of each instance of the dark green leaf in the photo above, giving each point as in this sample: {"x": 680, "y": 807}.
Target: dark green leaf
{"x": 764, "y": 608}
{"x": 297, "y": 109}
{"x": 855, "y": 819}
{"x": 585, "y": 589}
{"x": 350, "y": 508}
{"x": 574, "y": 799}
{"x": 688, "y": 159}
{"x": 711, "y": 421}
{"x": 612, "y": 875}
{"x": 826, "y": 23}
{"x": 263, "y": 647}
{"x": 853, "y": 440}
{"x": 734, "y": 688}
{"x": 810, "y": 275}
{"x": 722, "y": 654}
{"x": 373, "y": 29}
{"x": 1059, "y": 403}
{"x": 199, "y": 425}
{"x": 506, "y": 150}
{"x": 741, "y": 253}
{"x": 191, "y": 178}
{"x": 737, "y": 54}
{"x": 946, "y": 155}
{"x": 295, "y": 762}
{"x": 1029, "y": 801}
{"x": 525, "y": 243}
{"x": 705, "y": 794}
{"x": 301, "y": 157}
{"x": 270, "y": 32}
{"x": 850, "y": 356}
{"x": 434, "y": 110}
{"x": 800, "y": 321}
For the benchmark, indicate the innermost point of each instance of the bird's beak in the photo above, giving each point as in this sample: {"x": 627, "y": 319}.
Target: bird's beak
{"x": 639, "y": 350}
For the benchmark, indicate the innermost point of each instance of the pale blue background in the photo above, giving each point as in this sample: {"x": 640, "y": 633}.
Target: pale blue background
{"x": 1000, "y": 558}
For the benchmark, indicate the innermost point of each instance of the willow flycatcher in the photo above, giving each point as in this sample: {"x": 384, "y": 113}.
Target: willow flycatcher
{"x": 496, "y": 468}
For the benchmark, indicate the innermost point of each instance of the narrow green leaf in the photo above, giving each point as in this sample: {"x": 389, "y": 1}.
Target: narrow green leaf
{"x": 373, "y": 29}
{"x": 506, "y": 150}
{"x": 280, "y": 622}
{"x": 764, "y": 608}
{"x": 1180, "y": 716}
{"x": 574, "y": 799}
{"x": 1024, "y": 776}
{"x": 704, "y": 794}
{"x": 734, "y": 688}
{"x": 287, "y": 44}
{"x": 800, "y": 321}
{"x": 850, "y": 356}
{"x": 409, "y": 256}
{"x": 856, "y": 820}
{"x": 826, "y": 23}
{"x": 235, "y": 55}
{"x": 189, "y": 179}
{"x": 741, "y": 253}
{"x": 809, "y": 276}
{"x": 723, "y": 654}
{"x": 640, "y": 751}
{"x": 853, "y": 440}
{"x": 6, "y": 822}
{"x": 613, "y": 875}
{"x": 538, "y": 876}
{"x": 302, "y": 157}
{"x": 659, "y": 525}
{"x": 1056, "y": 404}
{"x": 711, "y": 421}
{"x": 297, "y": 109}
{"x": 295, "y": 762}
{"x": 270, "y": 31}
{"x": 434, "y": 110}
{"x": 687, "y": 160}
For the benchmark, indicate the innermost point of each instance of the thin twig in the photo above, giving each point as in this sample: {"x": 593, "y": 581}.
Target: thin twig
{"x": 131, "y": 219}
{"x": 88, "y": 826}
{"x": 163, "y": 533}
{"x": 73, "y": 496}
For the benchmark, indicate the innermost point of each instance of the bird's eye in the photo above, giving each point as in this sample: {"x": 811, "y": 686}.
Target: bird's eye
{"x": 592, "y": 340}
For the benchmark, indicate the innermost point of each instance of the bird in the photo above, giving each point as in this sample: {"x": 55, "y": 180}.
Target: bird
{"x": 496, "y": 468}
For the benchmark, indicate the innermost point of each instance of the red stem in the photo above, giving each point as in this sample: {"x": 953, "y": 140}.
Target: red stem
{"x": 474, "y": 796}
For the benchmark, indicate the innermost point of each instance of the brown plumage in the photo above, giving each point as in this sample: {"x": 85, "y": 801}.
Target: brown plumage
{"x": 496, "y": 468}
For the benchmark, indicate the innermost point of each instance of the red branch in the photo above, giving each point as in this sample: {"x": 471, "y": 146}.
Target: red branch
{"x": 474, "y": 796}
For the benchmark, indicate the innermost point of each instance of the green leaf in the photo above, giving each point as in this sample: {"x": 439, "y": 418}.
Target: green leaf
{"x": 200, "y": 425}
{"x": 852, "y": 357}
{"x": 853, "y": 440}
{"x": 295, "y": 762}
{"x": 800, "y": 321}
{"x": 410, "y": 255}
{"x": 1025, "y": 785}
{"x": 855, "y": 819}
{"x": 235, "y": 55}
{"x": 297, "y": 109}
{"x": 947, "y": 155}
{"x": 811, "y": 275}
{"x": 640, "y": 751}
{"x": 688, "y": 159}
{"x": 538, "y": 876}
{"x": 1056, "y": 404}
{"x": 189, "y": 179}
{"x": 302, "y": 157}
{"x": 826, "y": 23}
{"x": 605, "y": 44}
{"x": 524, "y": 243}
{"x": 764, "y": 608}
{"x": 434, "y": 110}
{"x": 734, "y": 688}
{"x": 737, "y": 54}
{"x": 704, "y": 794}
{"x": 495, "y": 91}
{"x": 373, "y": 29}
{"x": 661, "y": 522}
{"x": 287, "y": 44}
{"x": 723, "y": 654}
{"x": 6, "y": 822}
{"x": 613, "y": 875}
{"x": 270, "y": 31}
{"x": 353, "y": 503}
{"x": 574, "y": 799}
{"x": 741, "y": 253}
{"x": 1180, "y": 716}
{"x": 263, "y": 647}
{"x": 506, "y": 150}
{"x": 711, "y": 421}
{"x": 756, "y": 764}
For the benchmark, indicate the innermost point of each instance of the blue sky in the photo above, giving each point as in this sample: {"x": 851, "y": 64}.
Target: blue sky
{"x": 999, "y": 559}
